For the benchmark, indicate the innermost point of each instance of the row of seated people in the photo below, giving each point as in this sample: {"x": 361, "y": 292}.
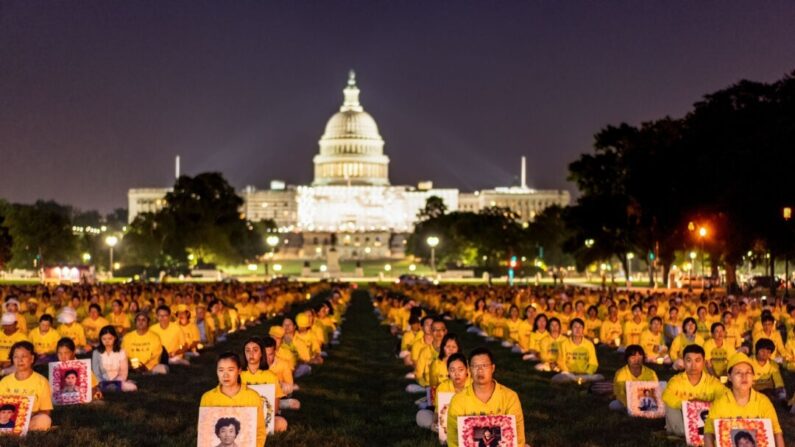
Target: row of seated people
{"x": 573, "y": 355}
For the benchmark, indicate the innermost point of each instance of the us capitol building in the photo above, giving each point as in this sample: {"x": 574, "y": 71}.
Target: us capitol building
{"x": 351, "y": 202}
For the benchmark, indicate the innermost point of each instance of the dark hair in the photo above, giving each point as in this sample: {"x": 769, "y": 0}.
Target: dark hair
{"x": 693, "y": 349}
{"x": 116, "y": 342}
{"x": 765, "y": 343}
{"x": 268, "y": 342}
{"x": 26, "y": 345}
{"x": 257, "y": 341}
{"x": 95, "y": 306}
{"x": 768, "y": 317}
{"x": 426, "y": 318}
{"x": 740, "y": 435}
{"x": 689, "y": 320}
{"x": 413, "y": 320}
{"x": 555, "y": 319}
{"x": 225, "y": 422}
{"x": 576, "y": 320}
{"x": 66, "y": 342}
{"x": 70, "y": 372}
{"x": 459, "y": 357}
{"x": 8, "y": 407}
{"x": 46, "y": 317}
{"x": 163, "y": 307}
{"x": 636, "y": 306}
{"x": 633, "y": 350}
{"x": 655, "y": 318}
{"x": 228, "y": 355}
{"x": 143, "y": 314}
{"x": 481, "y": 350}
{"x": 449, "y": 336}
{"x": 715, "y": 326}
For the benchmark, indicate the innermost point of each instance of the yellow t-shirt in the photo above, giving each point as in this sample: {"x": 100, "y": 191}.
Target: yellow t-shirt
{"x": 632, "y": 332}
{"x": 578, "y": 359}
{"x": 681, "y": 342}
{"x": 718, "y": 356}
{"x": 75, "y": 332}
{"x": 147, "y": 348}
{"x": 35, "y": 385}
{"x": 44, "y": 344}
{"x": 503, "y": 401}
{"x": 244, "y": 398}
{"x": 767, "y": 376}
{"x": 191, "y": 333}
{"x": 726, "y": 407}
{"x": 172, "y": 336}
{"x": 550, "y": 349}
{"x": 120, "y": 321}
{"x": 422, "y": 368}
{"x": 610, "y": 330}
{"x": 624, "y": 375}
{"x": 262, "y": 377}
{"x": 651, "y": 343}
{"x": 92, "y": 327}
{"x": 680, "y": 389}
{"x": 7, "y": 341}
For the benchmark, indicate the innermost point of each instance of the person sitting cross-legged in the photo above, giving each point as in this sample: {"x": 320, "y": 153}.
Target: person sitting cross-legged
{"x": 634, "y": 371}
{"x": 578, "y": 361}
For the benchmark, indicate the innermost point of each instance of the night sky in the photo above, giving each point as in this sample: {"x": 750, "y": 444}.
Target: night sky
{"x": 97, "y": 97}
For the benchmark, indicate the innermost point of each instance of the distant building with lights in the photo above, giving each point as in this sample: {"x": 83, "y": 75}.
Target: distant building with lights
{"x": 351, "y": 204}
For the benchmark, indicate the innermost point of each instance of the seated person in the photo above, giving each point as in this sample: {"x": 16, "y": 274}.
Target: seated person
{"x": 254, "y": 374}
{"x": 44, "y": 338}
{"x": 24, "y": 381}
{"x": 144, "y": 348}
{"x": 109, "y": 361}
{"x": 687, "y": 337}
{"x": 767, "y": 376}
{"x": 578, "y": 361}
{"x": 652, "y": 341}
{"x": 65, "y": 351}
{"x": 71, "y": 329}
{"x": 718, "y": 350}
{"x": 171, "y": 336}
{"x": 742, "y": 401}
{"x": 8, "y": 337}
{"x": 692, "y": 384}
{"x": 634, "y": 371}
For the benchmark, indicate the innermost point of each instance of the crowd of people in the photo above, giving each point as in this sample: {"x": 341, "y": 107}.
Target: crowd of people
{"x": 726, "y": 350}
{"x": 135, "y": 329}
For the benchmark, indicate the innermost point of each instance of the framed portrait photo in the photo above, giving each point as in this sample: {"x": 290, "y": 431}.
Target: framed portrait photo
{"x": 15, "y": 412}
{"x": 744, "y": 433}
{"x": 70, "y": 382}
{"x": 487, "y": 431}
{"x": 268, "y": 393}
{"x": 227, "y": 426}
{"x": 694, "y": 413}
{"x": 644, "y": 399}
{"x": 443, "y": 400}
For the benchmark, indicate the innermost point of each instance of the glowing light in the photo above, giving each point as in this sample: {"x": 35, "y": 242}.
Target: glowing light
{"x": 252, "y": 267}
{"x": 412, "y": 267}
{"x": 323, "y": 268}
{"x": 432, "y": 241}
{"x": 388, "y": 267}
{"x": 116, "y": 266}
{"x": 86, "y": 257}
{"x": 693, "y": 255}
{"x": 111, "y": 241}
{"x": 277, "y": 267}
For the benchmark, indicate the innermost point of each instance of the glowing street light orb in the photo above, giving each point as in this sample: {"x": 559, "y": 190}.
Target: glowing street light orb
{"x": 412, "y": 267}
{"x": 252, "y": 267}
{"x": 86, "y": 257}
{"x": 111, "y": 241}
{"x": 432, "y": 241}
{"x": 272, "y": 240}
{"x": 388, "y": 267}
{"x": 323, "y": 268}
{"x": 702, "y": 232}
{"x": 693, "y": 255}
{"x": 116, "y": 266}
{"x": 277, "y": 267}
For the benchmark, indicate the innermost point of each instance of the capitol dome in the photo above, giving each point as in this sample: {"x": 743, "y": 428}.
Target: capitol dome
{"x": 351, "y": 148}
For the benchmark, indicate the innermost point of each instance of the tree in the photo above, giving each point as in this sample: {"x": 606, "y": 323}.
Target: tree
{"x": 42, "y": 234}
{"x": 434, "y": 207}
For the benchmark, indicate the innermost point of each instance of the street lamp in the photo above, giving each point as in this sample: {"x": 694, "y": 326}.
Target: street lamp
{"x": 111, "y": 241}
{"x": 630, "y": 257}
{"x": 692, "y": 264}
{"x": 433, "y": 241}
{"x": 702, "y": 233}
{"x": 272, "y": 242}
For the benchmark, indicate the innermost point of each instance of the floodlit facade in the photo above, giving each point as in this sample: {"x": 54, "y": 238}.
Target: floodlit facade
{"x": 351, "y": 204}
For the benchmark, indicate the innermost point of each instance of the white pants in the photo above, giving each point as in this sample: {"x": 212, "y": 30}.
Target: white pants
{"x": 674, "y": 421}
{"x": 616, "y": 405}
{"x": 567, "y": 377}
{"x": 426, "y": 418}
{"x": 289, "y": 404}
{"x": 159, "y": 369}
{"x": 302, "y": 370}
{"x": 413, "y": 388}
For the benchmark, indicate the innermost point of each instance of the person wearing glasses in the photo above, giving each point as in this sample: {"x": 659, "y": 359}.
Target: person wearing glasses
{"x": 485, "y": 396}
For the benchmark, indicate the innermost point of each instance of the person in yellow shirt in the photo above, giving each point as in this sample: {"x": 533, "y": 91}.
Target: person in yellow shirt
{"x": 687, "y": 337}
{"x": 408, "y": 339}
{"x": 692, "y": 384}
{"x": 419, "y": 344}
{"x": 593, "y": 324}
{"x": 653, "y": 343}
{"x": 741, "y": 402}
{"x": 305, "y": 343}
{"x": 254, "y": 374}
{"x": 283, "y": 372}
{"x": 718, "y": 350}
{"x": 70, "y": 328}
{"x": 634, "y": 371}
{"x": 189, "y": 330}
{"x": 11, "y": 306}
{"x": 484, "y": 397}
{"x": 438, "y": 371}
{"x": 171, "y": 336}
{"x": 578, "y": 362}
{"x": 230, "y": 392}
{"x": 144, "y": 348}
{"x": 550, "y": 348}
{"x": 457, "y": 379}
{"x": 118, "y": 318}
{"x": 44, "y": 338}
{"x": 26, "y": 382}
{"x": 767, "y": 375}
{"x": 65, "y": 351}
{"x": 532, "y": 345}
{"x": 769, "y": 331}
{"x": 430, "y": 352}
{"x": 8, "y": 337}
{"x": 93, "y": 323}
{"x": 633, "y": 328}
{"x": 612, "y": 329}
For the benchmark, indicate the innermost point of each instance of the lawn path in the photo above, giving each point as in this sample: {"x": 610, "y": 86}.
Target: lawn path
{"x": 357, "y": 397}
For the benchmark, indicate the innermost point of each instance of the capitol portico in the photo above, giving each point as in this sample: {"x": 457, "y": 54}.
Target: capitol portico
{"x": 351, "y": 204}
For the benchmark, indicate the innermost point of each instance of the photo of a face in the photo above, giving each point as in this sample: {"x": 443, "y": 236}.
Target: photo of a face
{"x": 227, "y": 430}
{"x": 8, "y": 416}
{"x": 743, "y": 438}
{"x": 69, "y": 382}
{"x": 487, "y": 436}
{"x": 227, "y": 427}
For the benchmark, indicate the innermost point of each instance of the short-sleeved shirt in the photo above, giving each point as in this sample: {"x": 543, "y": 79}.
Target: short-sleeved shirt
{"x": 35, "y": 385}
{"x": 244, "y": 398}
{"x": 726, "y": 407}
{"x": 503, "y": 401}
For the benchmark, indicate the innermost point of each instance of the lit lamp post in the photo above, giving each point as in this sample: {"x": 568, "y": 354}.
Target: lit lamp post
{"x": 111, "y": 241}
{"x": 787, "y": 214}
{"x": 692, "y": 268}
{"x": 702, "y": 233}
{"x": 630, "y": 257}
{"x": 272, "y": 242}
{"x": 433, "y": 241}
